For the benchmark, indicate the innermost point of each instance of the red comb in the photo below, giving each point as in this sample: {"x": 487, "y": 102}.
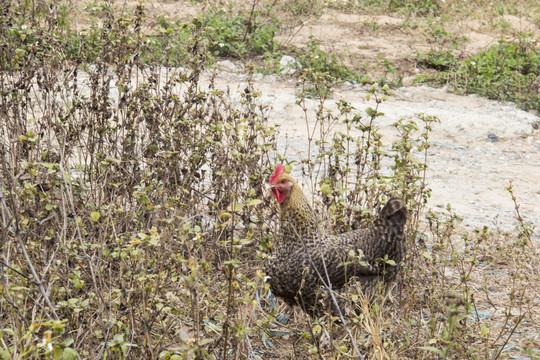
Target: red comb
{"x": 280, "y": 169}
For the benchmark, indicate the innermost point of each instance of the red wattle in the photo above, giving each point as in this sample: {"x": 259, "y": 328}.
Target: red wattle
{"x": 278, "y": 195}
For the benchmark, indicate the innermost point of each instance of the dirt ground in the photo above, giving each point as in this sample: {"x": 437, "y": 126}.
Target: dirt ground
{"x": 479, "y": 146}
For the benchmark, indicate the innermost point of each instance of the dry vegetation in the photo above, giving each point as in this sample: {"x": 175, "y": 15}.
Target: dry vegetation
{"x": 134, "y": 217}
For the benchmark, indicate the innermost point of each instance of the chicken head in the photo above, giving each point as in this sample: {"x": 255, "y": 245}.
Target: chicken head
{"x": 280, "y": 184}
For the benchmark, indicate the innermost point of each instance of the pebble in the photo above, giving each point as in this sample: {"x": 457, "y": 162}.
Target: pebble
{"x": 288, "y": 65}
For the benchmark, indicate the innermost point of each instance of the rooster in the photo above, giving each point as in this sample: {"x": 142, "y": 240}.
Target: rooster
{"x": 308, "y": 265}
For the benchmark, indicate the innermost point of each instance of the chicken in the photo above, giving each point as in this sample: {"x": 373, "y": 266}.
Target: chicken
{"x": 307, "y": 264}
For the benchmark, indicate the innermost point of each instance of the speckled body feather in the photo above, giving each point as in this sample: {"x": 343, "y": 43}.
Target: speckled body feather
{"x": 306, "y": 262}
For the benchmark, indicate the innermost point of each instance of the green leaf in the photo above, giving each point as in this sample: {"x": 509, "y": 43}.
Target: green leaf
{"x": 203, "y": 342}
{"x": 69, "y": 354}
{"x": 234, "y": 207}
{"x": 288, "y": 169}
{"x": 484, "y": 331}
{"x": 144, "y": 200}
{"x": 232, "y": 263}
{"x": 95, "y": 215}
{"x": 20, "y": 52}
{"x": 370, "y": 111}
{"x": 7, "y": 331}
{"x": 326, "y": 189}
{"x": 118, "y": 338}
{"x": 5, "y": 355}
{"x": 253, "y": 202}
{"x": 224, "y": 215}
{"x": 434, "y": 349}
{"x": 57, "y": 353}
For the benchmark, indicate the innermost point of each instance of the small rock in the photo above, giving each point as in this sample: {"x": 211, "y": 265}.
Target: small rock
{"x": 493, "y": 138}
{"x": 288, "y": 65}
{"x": 227, "y": 65}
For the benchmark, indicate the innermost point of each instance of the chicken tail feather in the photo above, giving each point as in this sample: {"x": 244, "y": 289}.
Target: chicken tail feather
{"x": 395, "y": 213}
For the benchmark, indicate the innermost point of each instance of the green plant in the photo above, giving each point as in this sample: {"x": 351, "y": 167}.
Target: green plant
{"x": 412, "y": 7}
{"x": 506, "y": 71}
{"x": 317, "y": 61}
{"x": 436, "y": 60}
{"x": 239, "y": 36}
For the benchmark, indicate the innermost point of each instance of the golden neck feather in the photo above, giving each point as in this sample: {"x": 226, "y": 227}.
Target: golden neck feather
{"x": 298, "y": 219}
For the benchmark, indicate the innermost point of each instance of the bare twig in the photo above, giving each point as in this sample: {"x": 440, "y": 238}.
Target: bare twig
{"x": 16, "y": 232}
{"x": 509, "y": 336}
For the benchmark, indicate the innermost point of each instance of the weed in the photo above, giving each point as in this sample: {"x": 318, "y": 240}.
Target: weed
{"x": 319, "y": 62}
{"x": 412, "y": 7}
{"x": 237, "y": 36}
{"x": 440, "y": 61}
{"x": 303, "y": 7}
{"x": 507, "y": 71}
